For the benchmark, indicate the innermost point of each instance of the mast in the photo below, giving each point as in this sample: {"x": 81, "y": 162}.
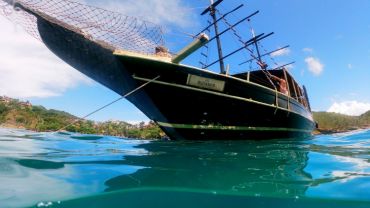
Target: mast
{"x": 260, "y": 62}
{"x": 212, "y": 10}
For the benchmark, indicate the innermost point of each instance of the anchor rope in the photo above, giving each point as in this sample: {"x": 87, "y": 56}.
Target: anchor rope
{"x": 109, "y": 104}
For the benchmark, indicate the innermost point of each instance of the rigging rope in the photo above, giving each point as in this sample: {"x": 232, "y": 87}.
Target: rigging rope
{"x": 272, "y": 58}
{"x": 240, "y": 39}
{"x": 264, "y": 70}
{"x": 205, "y": 51}
{"x": 109, "y": 104}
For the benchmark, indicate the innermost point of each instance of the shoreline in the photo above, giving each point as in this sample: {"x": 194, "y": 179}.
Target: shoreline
{"x": 316, "y": 132}
{"x": 338, "y": 131}
{"x": 12, "y": 127}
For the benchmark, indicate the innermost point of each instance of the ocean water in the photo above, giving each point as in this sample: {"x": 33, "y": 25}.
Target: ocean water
{"x": 73, "y": 170}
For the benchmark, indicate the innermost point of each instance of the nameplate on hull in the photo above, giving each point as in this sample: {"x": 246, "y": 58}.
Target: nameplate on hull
{"x": 205, "y": 83}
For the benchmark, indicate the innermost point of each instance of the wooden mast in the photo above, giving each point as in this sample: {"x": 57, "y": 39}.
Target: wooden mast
{"x": 212, "y": 10}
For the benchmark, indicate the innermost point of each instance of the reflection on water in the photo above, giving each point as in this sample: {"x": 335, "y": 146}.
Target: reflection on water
{"x": 245, "y": 167}
{"x": 67, "y": 170}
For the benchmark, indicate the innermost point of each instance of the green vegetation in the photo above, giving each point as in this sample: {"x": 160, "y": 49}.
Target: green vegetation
{"x": 335, "y": 122}
{"x": 16, "y": 114}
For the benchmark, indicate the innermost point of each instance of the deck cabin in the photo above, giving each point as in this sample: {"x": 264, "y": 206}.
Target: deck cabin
{"x": 262, "y": 77}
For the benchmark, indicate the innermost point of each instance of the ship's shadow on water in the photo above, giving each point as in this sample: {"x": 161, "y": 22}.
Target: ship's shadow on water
{"x": 73, "y": 170}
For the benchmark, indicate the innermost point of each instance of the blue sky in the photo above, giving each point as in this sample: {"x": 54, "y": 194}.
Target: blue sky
{"x": 329, "y": 42}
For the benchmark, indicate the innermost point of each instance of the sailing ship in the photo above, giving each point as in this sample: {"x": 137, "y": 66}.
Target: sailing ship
{"x": 127, "y": 55}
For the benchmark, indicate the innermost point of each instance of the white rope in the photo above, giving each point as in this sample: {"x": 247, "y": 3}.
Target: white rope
{"x": 107, "y": 105}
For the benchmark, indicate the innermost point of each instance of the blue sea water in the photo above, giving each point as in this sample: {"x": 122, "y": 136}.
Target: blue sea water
{"x": 74, "y": 170}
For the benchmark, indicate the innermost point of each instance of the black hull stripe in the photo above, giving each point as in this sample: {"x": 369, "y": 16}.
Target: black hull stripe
{"x": 221, "y": 94}
{"x": 230, "y": 128}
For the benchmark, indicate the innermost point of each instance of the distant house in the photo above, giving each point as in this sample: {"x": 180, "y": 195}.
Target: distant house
{"x": 26, "y": 104}
{"x": 5, "y": 99}
{"x": 116, "y": 122}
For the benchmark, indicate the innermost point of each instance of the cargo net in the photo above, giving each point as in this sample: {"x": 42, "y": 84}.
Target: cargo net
{"x": 111, "y": 30}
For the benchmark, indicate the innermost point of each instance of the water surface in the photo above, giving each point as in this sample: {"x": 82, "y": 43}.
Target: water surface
{"x": 73, "y": 170}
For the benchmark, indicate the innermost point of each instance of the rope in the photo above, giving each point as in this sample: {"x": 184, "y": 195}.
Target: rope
{"x": 260, "y": 80}
{"x": 204, "y": 54}
{"x": 272, "y": 58}
{"x": 180, "y": 33}
{"x": 109, "y": 104}
{"x": 240, "y": 39}
{"x": 276, "y": 100}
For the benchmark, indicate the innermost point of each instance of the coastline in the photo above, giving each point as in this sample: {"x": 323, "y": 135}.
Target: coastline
{"x": 11, "y": 126}
{"x": 338, "y": 131}
{"x": 14, "y": 127}
{"x": 15, "y": 114}
{"x": 315, "y": 132}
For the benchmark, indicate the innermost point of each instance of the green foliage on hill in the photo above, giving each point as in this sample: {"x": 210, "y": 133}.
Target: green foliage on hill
{"x": 3, "y": 110}
{"x": 337, "y": 122}
{"x": 18, "y": 114}
{"x": 365, "y": 118}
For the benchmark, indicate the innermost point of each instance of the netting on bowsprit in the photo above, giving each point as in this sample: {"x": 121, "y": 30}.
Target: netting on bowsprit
{"x": 110, "y": 30}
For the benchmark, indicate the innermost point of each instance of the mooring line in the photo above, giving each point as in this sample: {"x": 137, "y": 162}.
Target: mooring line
{"x": 105, "y": 106}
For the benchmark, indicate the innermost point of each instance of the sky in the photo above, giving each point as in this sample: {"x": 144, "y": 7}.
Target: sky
{"x": 329, "y": 42}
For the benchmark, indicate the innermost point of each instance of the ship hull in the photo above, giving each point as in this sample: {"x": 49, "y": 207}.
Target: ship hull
{"x": 240, "y": 110}
{"x": 237, "y": 109}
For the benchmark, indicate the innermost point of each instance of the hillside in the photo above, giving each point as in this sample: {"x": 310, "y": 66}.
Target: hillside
{"x": 17, "y": 114}
{"x": 335, "y": 122}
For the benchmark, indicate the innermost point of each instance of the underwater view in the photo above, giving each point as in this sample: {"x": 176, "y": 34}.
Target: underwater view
{"x": 74, "y": 170}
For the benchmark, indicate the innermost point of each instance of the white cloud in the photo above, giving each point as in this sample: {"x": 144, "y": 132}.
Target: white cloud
{"x": 29, "y": 69}
{"x": 308, "y": 50}
{"x": 165, "y": 13}
{"x": 314, "y": 65}
{"x": 282, "y": 52}
{"x": 353, "y": 108}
